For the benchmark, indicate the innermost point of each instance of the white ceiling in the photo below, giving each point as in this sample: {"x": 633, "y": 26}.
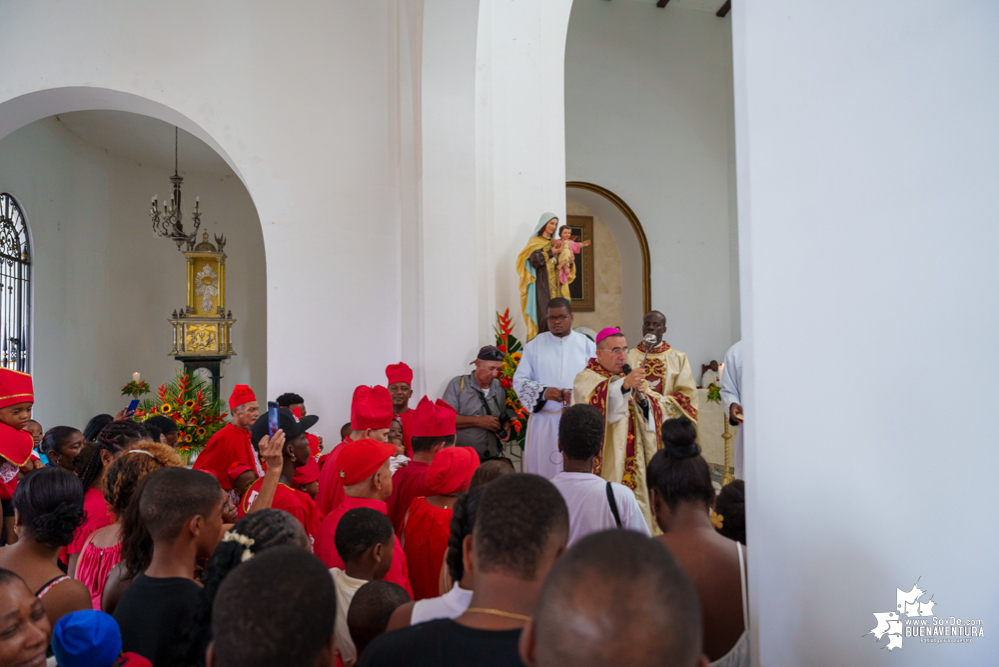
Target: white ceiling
{"x": 143, "y": 140}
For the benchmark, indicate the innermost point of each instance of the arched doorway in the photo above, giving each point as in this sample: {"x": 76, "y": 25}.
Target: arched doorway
{"x": 630, "y": 270}
{"x": 103, "y": 284}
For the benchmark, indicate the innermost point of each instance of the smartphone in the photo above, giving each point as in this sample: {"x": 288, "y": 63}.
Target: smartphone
{"x": 133, "y": 406}
{"x": 272, "y": 417}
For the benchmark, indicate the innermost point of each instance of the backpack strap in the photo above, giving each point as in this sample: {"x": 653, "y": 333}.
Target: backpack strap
{"x": 613, "y": 504}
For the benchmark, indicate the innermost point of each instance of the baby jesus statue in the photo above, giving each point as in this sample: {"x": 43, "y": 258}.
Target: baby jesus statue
{"x": 564, "y": 249}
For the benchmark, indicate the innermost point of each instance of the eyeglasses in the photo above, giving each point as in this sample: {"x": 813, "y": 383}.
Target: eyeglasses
{"x": 616, "y": 350}
{"x": 557, "y": 318}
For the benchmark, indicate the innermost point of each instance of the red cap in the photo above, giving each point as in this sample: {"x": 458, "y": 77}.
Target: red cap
{"x": 15, "y": 387}
{"x": 371, "y": 408}
{"x": 452, "y": 470}
{"x": 433, "y": 420}
{"x": 237, "y": 469}
{"x": 241, "y": 394}
{"x": 399, "y": 372}
{"x": 361, "y": 459}
{"x": 306, "y": 474}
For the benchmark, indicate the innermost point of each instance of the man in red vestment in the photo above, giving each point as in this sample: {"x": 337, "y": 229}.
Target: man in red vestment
{"x": 433, "y": 430}
{"x": 232, "y": 443}
{"x": 400, "y": 380}
{"x": 363, "y": 467}
{"x": 370, "y": 419}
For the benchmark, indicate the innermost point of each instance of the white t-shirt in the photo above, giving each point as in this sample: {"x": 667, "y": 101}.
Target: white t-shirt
{"x": 345, "y": 589}
{"x": 450, "y": 605}
{"x": 585, "y": 495}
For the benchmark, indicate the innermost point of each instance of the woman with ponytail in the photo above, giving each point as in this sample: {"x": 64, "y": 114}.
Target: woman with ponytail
{"x": 249, "y": 536}
{"x": 681, "y": 496}
{"x": 102, "y": 549}
{"x": 48, "y": 506}
{"x": 90, "y": 465}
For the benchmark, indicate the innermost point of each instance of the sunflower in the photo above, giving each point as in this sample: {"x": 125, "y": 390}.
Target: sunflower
{"x": 189, "y": 404}
{"x": 188, "y": 438}
{"x": 201, "y": 432}
{"x": 166, "y": 408}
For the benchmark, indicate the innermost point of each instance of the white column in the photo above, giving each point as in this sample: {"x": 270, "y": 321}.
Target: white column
{"x": 868, "y": 157}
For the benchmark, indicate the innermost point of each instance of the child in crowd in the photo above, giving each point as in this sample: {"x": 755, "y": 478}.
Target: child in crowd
{"x": 277, "y": 608}
{"x": 101, "y": 551}
{"x": 49, "y": 505}
{"x": 365, "y": 541}
{"x": 35, "y": 429}
{"x": 16, "y": 444}
{"x": 181, "y": 514}
{"x": 242, "y": 477}
{"x": 370, "y": 610}
{"x": 91, "y": 638}
{"x": 249, "y": 536}
{"x": 24, "y": 626}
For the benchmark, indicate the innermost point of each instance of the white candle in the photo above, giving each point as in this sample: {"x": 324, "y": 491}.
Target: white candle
{"x": 136, "y": 377}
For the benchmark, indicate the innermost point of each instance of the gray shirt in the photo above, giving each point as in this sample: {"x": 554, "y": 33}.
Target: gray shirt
{"x": 467, "y": 402}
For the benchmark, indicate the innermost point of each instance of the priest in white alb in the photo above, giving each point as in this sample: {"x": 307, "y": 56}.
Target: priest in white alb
{"x": 633, "y": 414}
{"x": 547, "y": 369}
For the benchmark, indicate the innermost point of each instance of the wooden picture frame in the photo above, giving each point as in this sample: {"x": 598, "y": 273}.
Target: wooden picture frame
{"x": 583, "y": 289}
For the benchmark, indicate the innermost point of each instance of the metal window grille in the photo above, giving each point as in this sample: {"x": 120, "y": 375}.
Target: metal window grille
{"x": 15, "y": 286}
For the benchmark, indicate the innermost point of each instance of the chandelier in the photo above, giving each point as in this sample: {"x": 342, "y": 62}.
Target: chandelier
{"x": 170, "y": 223}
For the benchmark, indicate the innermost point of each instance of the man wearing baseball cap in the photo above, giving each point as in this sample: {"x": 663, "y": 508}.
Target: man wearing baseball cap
{"x": 370, "y": 418}
{"x": 294, "y": 454}
{"x": 363, "y": 469}
{"x": 433, "y": 430}
{"x": 232, "y": 443}
{"x": 479, "y": 399}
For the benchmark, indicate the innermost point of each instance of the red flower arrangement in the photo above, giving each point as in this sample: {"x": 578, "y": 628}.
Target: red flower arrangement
{"x": 511, "y": 349}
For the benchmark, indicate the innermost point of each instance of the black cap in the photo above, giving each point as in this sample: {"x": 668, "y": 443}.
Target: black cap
{"x": 490, "y": 353}
{"x": 287, "y": 422}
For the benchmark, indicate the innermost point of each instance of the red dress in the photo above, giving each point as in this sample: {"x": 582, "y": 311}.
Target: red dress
{"x": 408, "y": 483}
{"x": 426, "y": 534}
{"x": 326, "y": 547}
{"x": 330, "y": 489}
{"x": 230, "y": 445}
{"x": 296, "y": 503}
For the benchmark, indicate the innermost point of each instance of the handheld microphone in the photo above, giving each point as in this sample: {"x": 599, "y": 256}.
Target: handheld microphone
{"x": 639, "y": 396}
{"x": 650, "y": 342}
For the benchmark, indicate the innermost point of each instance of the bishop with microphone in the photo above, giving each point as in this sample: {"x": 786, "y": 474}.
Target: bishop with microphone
{"x": 633, "y": 414}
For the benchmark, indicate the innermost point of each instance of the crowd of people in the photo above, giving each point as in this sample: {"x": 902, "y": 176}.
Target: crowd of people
{"x": 413, "y": 541}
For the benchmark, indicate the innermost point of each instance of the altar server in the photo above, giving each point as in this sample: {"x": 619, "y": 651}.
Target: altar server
{"x": 731, "y": 393}
{"x": 548, "y": 367}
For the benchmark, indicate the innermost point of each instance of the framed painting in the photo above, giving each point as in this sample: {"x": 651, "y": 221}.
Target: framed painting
{"x": 583, "y": 289}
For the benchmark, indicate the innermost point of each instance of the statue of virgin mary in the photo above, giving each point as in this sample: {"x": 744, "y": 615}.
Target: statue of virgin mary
{"x": 538, "y": 274}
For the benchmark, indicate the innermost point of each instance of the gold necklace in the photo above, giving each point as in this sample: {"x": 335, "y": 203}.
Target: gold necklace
{"x": 498, "y": 612}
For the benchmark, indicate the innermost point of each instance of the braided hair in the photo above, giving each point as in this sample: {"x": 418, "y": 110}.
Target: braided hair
{"x": 462, "y": 523}
{"x": 678, "y": 473}
{"x": 95, "y": 425}
{"x": 50, "y": 504}
{"x": 248, "y": 537}
{"x": 128, "y": 469}
{"x": 113, "y": 438}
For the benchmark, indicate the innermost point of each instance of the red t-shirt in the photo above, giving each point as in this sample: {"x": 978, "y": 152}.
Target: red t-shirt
{"x": 230, "y": 445}
{"x": 296, "y": 503}
{"x": 408, "y": 482}
{"x": 326, "y": 547}
{"x": 330, "y": 489}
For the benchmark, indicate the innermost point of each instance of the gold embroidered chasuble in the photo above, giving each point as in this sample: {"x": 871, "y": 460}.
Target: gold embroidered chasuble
{"x": 668, "y": 374}
{"x": 628, "y": 443}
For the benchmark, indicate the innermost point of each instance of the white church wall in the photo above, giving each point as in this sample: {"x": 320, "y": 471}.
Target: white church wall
{"x": 104, "y": 285}
{"x": 648, "y": 115}
{"x": 301, "y": 102}
{"x": 868, "y": 162}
